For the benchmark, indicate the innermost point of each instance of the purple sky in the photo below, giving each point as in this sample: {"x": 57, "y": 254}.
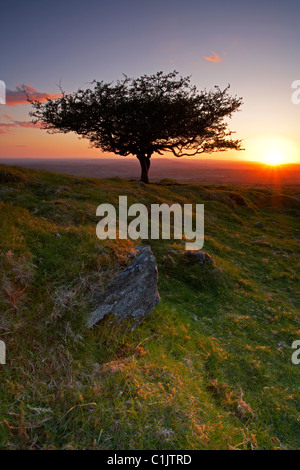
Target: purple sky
{"x": 254, "y": 46}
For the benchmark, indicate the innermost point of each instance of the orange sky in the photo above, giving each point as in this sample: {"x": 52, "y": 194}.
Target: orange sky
{"x": 37, "y": 143}
{"x": 253, "y": 46}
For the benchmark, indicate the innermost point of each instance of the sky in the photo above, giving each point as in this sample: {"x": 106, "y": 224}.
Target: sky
{"x": 253, "y": 46}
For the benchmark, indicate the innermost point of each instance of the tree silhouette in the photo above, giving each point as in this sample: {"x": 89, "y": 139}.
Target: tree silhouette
{"x": 150, "y": 114}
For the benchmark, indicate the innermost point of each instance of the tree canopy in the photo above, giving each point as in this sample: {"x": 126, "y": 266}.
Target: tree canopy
{"x": 151, "y": 114}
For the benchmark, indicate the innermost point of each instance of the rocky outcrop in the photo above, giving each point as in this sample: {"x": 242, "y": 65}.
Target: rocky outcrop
{"x": 197, "y": 256}
{"x": 133, "y": 293}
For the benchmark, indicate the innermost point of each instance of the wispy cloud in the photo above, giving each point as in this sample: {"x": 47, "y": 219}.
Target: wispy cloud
{"x": 27, "y": 124}
{"x": 17, "y": 96}
{"x": 6, "y": 127}
{"x": 214, "y": 57}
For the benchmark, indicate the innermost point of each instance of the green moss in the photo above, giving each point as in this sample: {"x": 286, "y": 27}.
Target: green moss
{"x": 209, "y": 369}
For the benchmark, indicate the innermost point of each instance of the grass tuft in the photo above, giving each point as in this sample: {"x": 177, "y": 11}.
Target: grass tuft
{"x": 209, "y": 369}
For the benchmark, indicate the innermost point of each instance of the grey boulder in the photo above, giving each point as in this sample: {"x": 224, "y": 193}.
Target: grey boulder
{"x": 259, "y": 225}
{"x": 133, "y": 293}
{"x": 197, "y": 256}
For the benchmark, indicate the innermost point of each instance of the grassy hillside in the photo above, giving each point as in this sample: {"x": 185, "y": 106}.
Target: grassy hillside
{"x": 209, "y": 369}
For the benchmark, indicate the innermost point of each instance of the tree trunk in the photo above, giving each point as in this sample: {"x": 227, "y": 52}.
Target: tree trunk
{"x": 145, "y": 165}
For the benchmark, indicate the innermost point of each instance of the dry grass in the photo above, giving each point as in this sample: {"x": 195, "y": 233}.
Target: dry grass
{"x": 209, "y": 369}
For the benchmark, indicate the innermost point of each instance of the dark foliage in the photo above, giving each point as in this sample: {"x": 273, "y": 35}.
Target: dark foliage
{"x": 150, "y": 114}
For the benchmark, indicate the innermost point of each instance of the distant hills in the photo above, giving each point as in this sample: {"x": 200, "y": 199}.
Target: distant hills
{"x": 210, "y": 368}
{"x": 185, "y": 169}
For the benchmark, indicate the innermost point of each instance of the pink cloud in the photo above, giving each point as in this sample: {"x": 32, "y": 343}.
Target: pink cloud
{"x": 27, "y": 124}
{"x": 17, "y": 96}
{"x": 6, "y": 127}
{"x": 214, "y": 57}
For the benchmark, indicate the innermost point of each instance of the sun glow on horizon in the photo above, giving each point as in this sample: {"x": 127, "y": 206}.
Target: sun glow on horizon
{"x": 273, "y": 150}
{"x": 275, "y": 159}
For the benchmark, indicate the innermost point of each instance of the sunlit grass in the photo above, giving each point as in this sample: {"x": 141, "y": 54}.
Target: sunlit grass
{"x": 209, "y": 369}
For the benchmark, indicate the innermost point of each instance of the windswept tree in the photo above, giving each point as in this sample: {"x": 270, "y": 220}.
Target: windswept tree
{"x": 143, "y": 116}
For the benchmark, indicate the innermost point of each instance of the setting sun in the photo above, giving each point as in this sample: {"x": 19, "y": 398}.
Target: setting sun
{"x": 272, "y": 150}
{"x": 275, "y": 158}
